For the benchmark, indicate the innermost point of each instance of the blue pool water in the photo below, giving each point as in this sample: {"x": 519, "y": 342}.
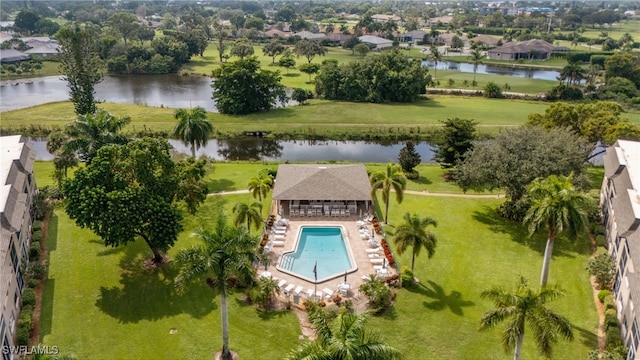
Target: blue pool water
{"x": 323, "y": 246}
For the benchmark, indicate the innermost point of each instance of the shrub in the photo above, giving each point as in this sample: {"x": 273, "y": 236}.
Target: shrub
{"x": 602, "y": 266}
{"x": 32, "y": 283}
{"x": 34, "y": 251}
{"x": 614, "y": 338}
{"x": 492, "y": 90}
{"x": 37, "y": 225}
{"x": 610, "y": 319}
{"x": 564, "y": 92}
{"x": 36, "y": 236}
{"x": 36, "y": 270}
{"x": 406, "y": 276}
{"x": 609, "y": 303}
{"x": 28, "y": 297}
{"x": 602, "y": 294}
{"x": 301, "y": 95}
{"x": 22, "y": 336}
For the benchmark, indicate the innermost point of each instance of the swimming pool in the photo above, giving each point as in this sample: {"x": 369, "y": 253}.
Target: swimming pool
{"x": 322, "y": 247}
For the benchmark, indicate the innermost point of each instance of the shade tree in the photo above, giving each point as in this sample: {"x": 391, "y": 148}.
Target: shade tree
{"x": 273, "y": 49}
{"x": 90, "y": 132}
{"x": 409, "y": 158}
{"x": 135, "y": 191}
{"x": 242, "y": 87}
{"x": 454, "y": 140}
{"x": 309, "y": 49}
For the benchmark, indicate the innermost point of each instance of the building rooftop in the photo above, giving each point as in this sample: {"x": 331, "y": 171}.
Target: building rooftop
{"x": 10, "y": 149}
{"x": 630, "y": 153}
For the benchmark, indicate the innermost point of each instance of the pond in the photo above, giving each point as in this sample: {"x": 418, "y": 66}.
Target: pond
{"x": 293, "y": 151}
{"x": 538, "y": 74}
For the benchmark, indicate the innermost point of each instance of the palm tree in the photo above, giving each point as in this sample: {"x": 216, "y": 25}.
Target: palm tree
{"x": 225, "y": 257}
{"x": 558, "y": 206}
{"x": 248, "y": 213}
{"x": 90, "y": 132}
{"x": 264, "y": 291}
{"x": 573, "y": 73}
{"x": 433, "y": 36}
{"x": 413, "y": 233}
{"x": 344, "y": 337}
{"x": 193, "y": 128}
{"x": 436, "y": 57}
{"x": 526, "y": 306}
{"x": 392, "y": 177}
{"x": 260, "y": 185}
{"x": 476, "y": 59}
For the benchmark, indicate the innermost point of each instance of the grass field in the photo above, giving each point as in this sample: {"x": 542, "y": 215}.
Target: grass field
{"x": 100, "y": 303}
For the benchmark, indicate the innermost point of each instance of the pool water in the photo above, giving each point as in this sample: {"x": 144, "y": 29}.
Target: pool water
{"x": 319, "y": 247}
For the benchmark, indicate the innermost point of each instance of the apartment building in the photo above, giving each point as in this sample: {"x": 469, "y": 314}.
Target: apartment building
{"x": 17, "y": 192}
{"x": 620, "y": 202}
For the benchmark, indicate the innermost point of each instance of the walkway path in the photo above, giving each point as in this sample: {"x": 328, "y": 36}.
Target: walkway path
{"x": 412, "y": 192}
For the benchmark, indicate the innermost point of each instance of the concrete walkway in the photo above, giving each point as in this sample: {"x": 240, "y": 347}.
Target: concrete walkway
{"x": 412, "y": 192}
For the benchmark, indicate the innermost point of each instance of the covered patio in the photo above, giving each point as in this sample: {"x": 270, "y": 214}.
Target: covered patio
{"x": 322, "y": 191}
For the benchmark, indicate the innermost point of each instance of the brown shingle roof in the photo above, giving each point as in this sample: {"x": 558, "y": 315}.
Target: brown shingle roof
{"x": 322, "y": 182}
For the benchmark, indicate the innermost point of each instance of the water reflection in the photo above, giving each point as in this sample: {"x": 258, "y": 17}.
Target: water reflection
{"x": 251, "y": 149}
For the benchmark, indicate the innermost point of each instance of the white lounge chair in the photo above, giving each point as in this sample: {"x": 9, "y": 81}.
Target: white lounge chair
{"x": 310, "y": 292}
{"x": 374, "y": 255}
{"x": 278, "y": 237}
{"x": 328, "y": 292}
{"x": 377, "y": 267}
{"x": 297, "y": 290}
{"x": 277, "y": 243}
{"x": 282, "y": 283}
{"x": 289, "y": 288}
{"x": 280, "y": 232}
{"x": 281, "y": 228}
{"x": 373, "y": 250}
{"x": 376, "y": 260}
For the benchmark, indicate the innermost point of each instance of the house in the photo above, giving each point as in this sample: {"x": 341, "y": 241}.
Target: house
{"x": 413, "y": 36}
{"x": 309, "y": 35}
{"x": 447, "y": 38}
{"x": 534, "y": 49}
{"x": 45, "y": 50}
{"x": 301, "y": 186}
{"x": 384, "y": 18}
{"x": 620, "y": 206}
{"x": 12, "y": 56}
{"x": 487, "y": 41}
{"x": 275, "y": 32}
{"x": 338, "y": 38}
{"x": 376, "y": 42}
{"x": 440, "y": 20}
{"x": 17, "y": 192}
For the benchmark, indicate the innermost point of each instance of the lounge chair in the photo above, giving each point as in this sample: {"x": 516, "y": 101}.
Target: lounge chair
{"x": 288, "y": 289}
{"x": 280, "y": 228}
{"x": 282, "y": 283}
{"x": 301, "y": 212}
{"x": 373, "y": 250}
{"x": 374, "y": 255}
{"x": 377, "y": 267}
{"x": 279, "y": 232}
{"x": 277, "y": 243}
{"x": 297, "y": 290}
{"x": 280, "y": 237}
{"x": 328, "y": 292}
{"x": 310, "y": 292}
{"x": 376, "y": 260}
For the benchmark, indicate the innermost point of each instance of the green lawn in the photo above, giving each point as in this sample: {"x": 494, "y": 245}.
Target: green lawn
{"x": 100, "y": 303}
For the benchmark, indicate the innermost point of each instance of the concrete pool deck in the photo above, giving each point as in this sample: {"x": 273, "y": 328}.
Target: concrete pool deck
{"x": 358, "y": 249}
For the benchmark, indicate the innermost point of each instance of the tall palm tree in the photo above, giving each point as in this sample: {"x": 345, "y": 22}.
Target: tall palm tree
{"x": 260, "y": 185}
{"x": 526, "y": 306}
{"x": 248, "y": 213}
{"x": 433, "y": 36}
{"x": 557, "y": 206}
{"x": 413, "y": 233}
{"x": 225, "y": 258}
{"x": 435, "y": 56}
{"x": 344, "y": 337}
{"x": 193, "y": 127}
{"x": 391, "y": 177}
{"x": 476, "y": 59}
{"x": 573, "y": 73}
{"x": 90, "y": 132}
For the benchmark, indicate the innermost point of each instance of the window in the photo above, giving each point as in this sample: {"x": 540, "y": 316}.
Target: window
{"x": 14, "y": 257}
{"x": 20, "y": 280}
{"x": 635, "y": 332}
{"x": 616, "y": 284}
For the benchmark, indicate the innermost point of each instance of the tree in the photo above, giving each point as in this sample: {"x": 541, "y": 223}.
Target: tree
{"x": 309, "y": 69}
{"x": 518, "y": 156}
{"x": 623, "y": 64}
{"x": 193, "y": 127}
{"x": 241, "y": 87}
{"x": 91, "y": 132}
{"x": 287, "y": 61}
{"x": 260, "y": 185}
{"x": 492, "y": 90}
{"x": 408, "y": 157}
{"x": 273, "y": 49}
{"x": 351, "y": 44}
{"x": 82, "y": 67}
{"x": 436, "y": 56}
{"x": 454, "y": 141}
{"x": 456, "y": 42}
{"x": 557, "y": 206}
{"x": 602, "y": 267}
{"x": 64, "y": 156}
{"x": 526, "y": 306}
{"x": 47, "y": 27}
{"x": 301, "y": 95}
{"x": 133, "y": 190}
{"x": 572, "y": 73}
{"x": 377, "y": 292}
{"x": 344, "y": 337}
{"x": 413, "y": 233}
{"x": 221, "y": 37}
{"x": 476, "y": 57}
{"x": 225, "y": 258}
{"x": 248, "y": 214}
{"x": 125, "y": 24}
{"x": 254, "y": 23}
{"x": 391, "y": 177}
{"x": 263, "y": 293}
{"x": 242, "y": 48}
{"x": 26, "y": 21}
{"x": 361, "y": 49}
{"x": 309, "y": 49}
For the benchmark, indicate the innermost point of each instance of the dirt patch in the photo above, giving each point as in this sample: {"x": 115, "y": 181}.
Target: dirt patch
{"x": 602, "y": 338}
